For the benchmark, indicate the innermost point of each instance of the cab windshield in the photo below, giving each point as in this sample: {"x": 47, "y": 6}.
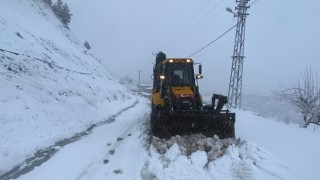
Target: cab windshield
{"x": 179, "y": 74}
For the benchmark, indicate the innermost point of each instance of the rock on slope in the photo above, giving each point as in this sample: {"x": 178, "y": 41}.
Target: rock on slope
{"x": 50, "y": 87}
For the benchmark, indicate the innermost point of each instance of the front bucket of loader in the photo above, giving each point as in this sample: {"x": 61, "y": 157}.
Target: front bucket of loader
{"x": 166, "y": 123}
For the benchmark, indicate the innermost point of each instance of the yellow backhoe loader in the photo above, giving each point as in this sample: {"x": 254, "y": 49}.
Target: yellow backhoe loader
{"x": 177, "y": 107}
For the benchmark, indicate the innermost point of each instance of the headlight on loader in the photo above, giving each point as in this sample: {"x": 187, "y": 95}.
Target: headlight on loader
{"x": 199, "y": 76}
{"x": 162, "y": 77}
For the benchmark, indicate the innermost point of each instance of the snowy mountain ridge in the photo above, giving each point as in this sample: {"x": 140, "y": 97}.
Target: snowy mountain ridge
{"x": 50, "y": 87}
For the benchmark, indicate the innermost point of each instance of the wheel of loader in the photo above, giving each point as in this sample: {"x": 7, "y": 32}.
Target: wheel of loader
{"x": 153, "y": 117}
{"x": 155, "y": 132}
{"x": 155, "y": 124}
{"x": 161, "y": 131}
{"x": 158, "y": 128}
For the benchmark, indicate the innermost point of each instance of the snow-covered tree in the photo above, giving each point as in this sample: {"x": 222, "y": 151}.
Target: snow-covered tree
{"x": 126, "y": 80}
{"x": 65, "y": 15}
{"x": 49, "y": 2}
{"x": 62, "y": 12}
{"x": 57, "y": 7}
{"x": 304, "y": 96}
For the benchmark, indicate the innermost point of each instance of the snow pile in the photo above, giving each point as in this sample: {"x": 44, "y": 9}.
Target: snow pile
{"x": 198, "y": 157}
{"x": 214, "y": 147}
{"x": 51, "y": 88}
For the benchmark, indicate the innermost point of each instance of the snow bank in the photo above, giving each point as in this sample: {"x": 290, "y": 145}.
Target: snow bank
{"x": 297, "y": 147}
{"x": 50, "y": 87}
{"x": 199, "y": 157}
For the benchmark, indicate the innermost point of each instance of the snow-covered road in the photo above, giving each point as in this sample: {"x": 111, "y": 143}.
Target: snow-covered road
{"x": 123, "y": 149}
{"x": 110, "y": 150}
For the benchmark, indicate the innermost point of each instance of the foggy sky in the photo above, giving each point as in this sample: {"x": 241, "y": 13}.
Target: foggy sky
{"x": 282, "y": 38}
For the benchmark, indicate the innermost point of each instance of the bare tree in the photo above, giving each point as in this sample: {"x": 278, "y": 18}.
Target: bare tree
{"x": 304, "y": 96}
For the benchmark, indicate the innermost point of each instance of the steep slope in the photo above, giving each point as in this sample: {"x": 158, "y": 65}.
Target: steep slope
{"x": 50, "y": 87}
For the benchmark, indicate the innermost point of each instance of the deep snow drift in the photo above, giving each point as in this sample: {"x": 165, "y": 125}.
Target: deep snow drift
{"x": 50, "y": 87}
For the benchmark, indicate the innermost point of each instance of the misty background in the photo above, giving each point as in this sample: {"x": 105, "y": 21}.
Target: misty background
{"x": 282, "y": 39}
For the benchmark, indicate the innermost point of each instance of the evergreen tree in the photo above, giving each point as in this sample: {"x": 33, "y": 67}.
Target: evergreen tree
{"x": 49, "y": 2}
{"x": 65, "y": 15}
{"x": 57, "y": 7}
{"x": 62, "y": 12}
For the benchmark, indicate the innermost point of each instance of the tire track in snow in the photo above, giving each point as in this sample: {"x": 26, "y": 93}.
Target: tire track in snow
{"x": 44, "y": 155}
{"x": 133, "y": 136}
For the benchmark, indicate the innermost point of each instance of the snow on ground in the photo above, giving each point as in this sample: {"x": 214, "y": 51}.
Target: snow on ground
{"x": 50, "y": 88}
{"x": 112, "y": 151}
{"x": 198, "y": 157}
{"x": 123, "y": 150}
{"x": 297, "y": 147}
{"x": 272, "y": 150}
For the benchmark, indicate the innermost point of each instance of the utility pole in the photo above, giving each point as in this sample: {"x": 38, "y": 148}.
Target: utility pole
{"x": 235, "y": 85}
{"x": 139, "y": 84}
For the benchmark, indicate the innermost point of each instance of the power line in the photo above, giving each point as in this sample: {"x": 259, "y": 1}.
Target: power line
{"x": 185, "y": 24}
{"x": 200, "y": 18}
{"x": 178, "y": 35}
{"x": 210, "y": 20}
{"x": 222, "y": 10}
{"x": 209, "y": 12}
{"x": 254, "y": 2}
{"x": 195, "y": 26}
{"x": 212, "y": 41}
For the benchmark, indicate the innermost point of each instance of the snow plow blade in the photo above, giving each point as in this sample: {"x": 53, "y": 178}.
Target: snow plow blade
{"x": 166, "y": 123}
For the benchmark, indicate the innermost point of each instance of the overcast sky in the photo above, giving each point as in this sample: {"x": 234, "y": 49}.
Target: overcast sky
{"x": 282, "y": 37}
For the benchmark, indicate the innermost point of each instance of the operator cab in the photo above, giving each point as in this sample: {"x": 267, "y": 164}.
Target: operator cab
{"x": 179, "y": 74}
{"x": 175, "y": 72}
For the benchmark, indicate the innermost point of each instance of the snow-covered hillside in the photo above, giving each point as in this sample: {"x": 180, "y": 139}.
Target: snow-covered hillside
{"x": 50, "y": 88}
